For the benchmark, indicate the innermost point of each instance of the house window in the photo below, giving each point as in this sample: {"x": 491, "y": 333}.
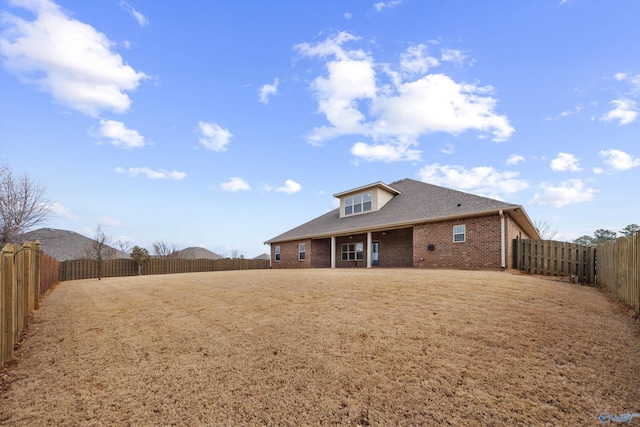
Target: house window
{"x": 459, "y": 233}
{"x": 277, "y": 252}
{"x": 352, "y": 252}
{"x": 301, "y": 251}
{"x": 358, "y": 203}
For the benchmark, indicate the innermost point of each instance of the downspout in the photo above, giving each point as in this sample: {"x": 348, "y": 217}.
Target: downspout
{"x": 502, "y": 248}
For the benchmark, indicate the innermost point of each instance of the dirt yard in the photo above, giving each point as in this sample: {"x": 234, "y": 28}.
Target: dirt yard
{"x": 324, "y": 347}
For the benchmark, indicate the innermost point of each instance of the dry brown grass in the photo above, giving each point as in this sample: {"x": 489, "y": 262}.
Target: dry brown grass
{"x": 325, "y": 347}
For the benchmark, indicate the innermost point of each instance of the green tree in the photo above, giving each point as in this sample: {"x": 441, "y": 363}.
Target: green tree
{"x": 584, "y": 240}
{"x": 601, "y": 236}
{"x": 140, "y": 256}
{"x": 630, "y": 230}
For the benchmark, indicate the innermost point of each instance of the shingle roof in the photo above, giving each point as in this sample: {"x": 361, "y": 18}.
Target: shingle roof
{"x": 63, "y": 245}
{"x": 417, "y": 202}
{"x": 197, "y": 253}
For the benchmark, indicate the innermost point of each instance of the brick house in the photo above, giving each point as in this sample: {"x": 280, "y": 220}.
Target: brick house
{"x": 406, "y": 223}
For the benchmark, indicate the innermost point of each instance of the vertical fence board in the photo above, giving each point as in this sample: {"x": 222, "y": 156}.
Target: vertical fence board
{"x": 553, "y": 258}
{"x": 613, "y": 265}
{"x": 87, "y": 269}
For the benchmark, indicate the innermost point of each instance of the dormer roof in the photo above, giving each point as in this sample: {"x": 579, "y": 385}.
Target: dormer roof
{"x": 378, "y": 184}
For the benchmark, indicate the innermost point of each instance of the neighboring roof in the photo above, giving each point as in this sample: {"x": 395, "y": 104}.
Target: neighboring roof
{"x": 263, "y": 256}
{"x": 63, "y": 245}
{"x": 197, "y": 253}
{"x": 416, "y": 202}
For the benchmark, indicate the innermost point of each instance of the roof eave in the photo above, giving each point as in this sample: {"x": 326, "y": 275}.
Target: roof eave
{"x": 517, "y": 211}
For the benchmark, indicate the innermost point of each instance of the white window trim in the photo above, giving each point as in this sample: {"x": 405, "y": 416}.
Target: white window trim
{"x": 464, "y": 233}
{"x": 302, "y": 249}
{"x": 355, "y": 251}
{"x": 361, "y": 204}
{"x": 277, "y": 254}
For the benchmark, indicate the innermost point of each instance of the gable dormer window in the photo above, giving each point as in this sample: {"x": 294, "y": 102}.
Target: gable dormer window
{"x": 357, "y": 203}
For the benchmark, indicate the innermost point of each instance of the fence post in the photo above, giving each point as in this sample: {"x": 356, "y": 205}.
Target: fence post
{"x": 8, "y": 304}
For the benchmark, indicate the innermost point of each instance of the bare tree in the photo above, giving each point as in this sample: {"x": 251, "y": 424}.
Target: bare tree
{"x": 163, "y": 250}
{"x": 123, "y": 245}
{"x": 22, "y": 204}
{"x": 100, "y": 251}
{"x": 545, "y": 228}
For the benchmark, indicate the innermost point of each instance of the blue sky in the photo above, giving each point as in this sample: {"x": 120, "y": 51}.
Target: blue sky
{"x": 222, "y": 124}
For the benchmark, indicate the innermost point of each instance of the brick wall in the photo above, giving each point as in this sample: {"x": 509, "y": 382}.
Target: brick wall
{"x": 407, "y": 247}
{"x": 356, "y": 238}
{"x": 395, "y": 247}
{"x": 481, "y": 248}
{"x": 289, "y": 255}
{"x": 321, "y": 253}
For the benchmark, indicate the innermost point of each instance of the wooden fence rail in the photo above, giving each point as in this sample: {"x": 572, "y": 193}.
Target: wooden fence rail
{"x": 88, "y": 269}
{"x": 554, "y": 258}
{"x": 618, "y": 269}
{"x": 21, "y": 286}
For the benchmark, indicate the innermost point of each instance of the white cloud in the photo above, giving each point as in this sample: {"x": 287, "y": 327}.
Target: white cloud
{"x": 479, "y": 180}
{"x": 625, "y": 112}
{"x": 347, "y": 15}
{"x": 416, "y": 60}
{"x": 567, "y": 193}
{"x": 60, "y": 211}
{"x": 290, "y": 187}
{"x": 142, "y": 20}
{"x": 213, "y": 137}
{"x": 151, "y": 174}
{"x": 619, "y": 160}
{"x": 577, "y": 109}
{"x": 448, "y": 149}
{"x": 634, "y": 81}
{"x": 565, "y": 162}
{"x": 384, "y": 152}
{"x": 453, "y": 55}
{"x": 235, "y": 184}
{"x": 514, "y": 159}
{"x": 118, "y": 134}
{"x": 390, "y": 4}
{"x": 68, "y": 59}
{"x": 267, "y": 90}
{"x": 355, "y": 100}
{"x": 436, "y": 103}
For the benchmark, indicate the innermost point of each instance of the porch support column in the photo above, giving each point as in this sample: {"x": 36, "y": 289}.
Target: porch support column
{"x": 333, "y": 251}
{"x": 369, "y": 249}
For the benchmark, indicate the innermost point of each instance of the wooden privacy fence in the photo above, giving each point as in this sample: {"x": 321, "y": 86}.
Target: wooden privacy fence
{"x": 553, "y": 258}
{"x": 618, "y": 269}
{"x": 88, "y": 269}
{"x": 25, "y": 275}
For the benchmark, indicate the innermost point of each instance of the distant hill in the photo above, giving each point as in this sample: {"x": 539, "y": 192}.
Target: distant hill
{"x": 197, "y": 253}
{"x": 63, "y": 245}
